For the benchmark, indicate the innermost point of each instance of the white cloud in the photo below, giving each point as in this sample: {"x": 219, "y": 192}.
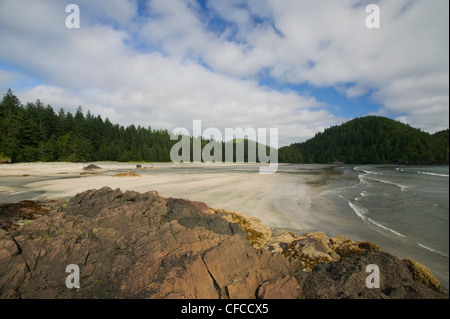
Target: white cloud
{"x": 326, "y": 43}
{"x": 188, "y": 92}
{"x": 119, "y": 12}
{"x": 168, "y": 69}
{"x": 9, "y": 79}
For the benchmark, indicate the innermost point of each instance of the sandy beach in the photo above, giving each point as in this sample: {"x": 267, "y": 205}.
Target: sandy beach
{"x": 300, "y": 198}
{"x": 231, "y": 187}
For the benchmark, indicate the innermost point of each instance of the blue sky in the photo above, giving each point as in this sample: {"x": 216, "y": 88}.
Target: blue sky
{"x": 296, "y": 65}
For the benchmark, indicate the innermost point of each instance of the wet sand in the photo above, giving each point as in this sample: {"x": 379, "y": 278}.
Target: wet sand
{"x": 232, "y": 187}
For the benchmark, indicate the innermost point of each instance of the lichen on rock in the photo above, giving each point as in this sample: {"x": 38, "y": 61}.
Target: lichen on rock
{"x": 423, "y": 274}
{"x": 257, "y": 233}
{"x": 312, "y": 249}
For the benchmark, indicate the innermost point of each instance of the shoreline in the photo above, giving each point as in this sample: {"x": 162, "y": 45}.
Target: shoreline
{"x": 289, "y": 200}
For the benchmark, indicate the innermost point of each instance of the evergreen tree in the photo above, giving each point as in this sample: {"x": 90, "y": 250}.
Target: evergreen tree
{"x": 34, "y": 132}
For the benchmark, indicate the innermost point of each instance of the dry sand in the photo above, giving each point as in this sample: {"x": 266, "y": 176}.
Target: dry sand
{"x": 279, "y": 200}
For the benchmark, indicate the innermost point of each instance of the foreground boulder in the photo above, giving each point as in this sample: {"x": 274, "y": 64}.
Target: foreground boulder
{"x": 132, "y": 245}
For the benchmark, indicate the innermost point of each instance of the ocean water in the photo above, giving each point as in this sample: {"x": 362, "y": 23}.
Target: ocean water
{"x": 403, "y": 209}
{"x": 409, "y": 203}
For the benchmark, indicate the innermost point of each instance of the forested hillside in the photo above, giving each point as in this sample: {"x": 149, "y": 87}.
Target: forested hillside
{"x": 34, "y": 132}
{"x": 371, "y": 139}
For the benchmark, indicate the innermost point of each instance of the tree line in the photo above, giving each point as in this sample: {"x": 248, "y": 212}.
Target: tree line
{"x": 34, "y": 132}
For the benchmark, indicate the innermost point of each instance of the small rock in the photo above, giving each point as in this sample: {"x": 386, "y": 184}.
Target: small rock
{"x": 91, "y": 167}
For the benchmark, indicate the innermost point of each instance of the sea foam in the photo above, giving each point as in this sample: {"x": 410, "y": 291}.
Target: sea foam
{"x": 433, "y": 174}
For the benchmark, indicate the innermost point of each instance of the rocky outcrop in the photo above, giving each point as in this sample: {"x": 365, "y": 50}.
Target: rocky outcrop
{"x": 312, "y": 249}
{"x": 257, "y": 234}
{"x": 132, "y": 245}
{"x": 91, "y": 167}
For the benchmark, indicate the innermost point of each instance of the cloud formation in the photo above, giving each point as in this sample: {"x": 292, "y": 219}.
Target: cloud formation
{"x": 231, "y": 63}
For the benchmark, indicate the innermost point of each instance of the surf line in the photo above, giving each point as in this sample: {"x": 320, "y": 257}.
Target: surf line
{"x": 387, "y": 228}
{"x": 361, "y": 213}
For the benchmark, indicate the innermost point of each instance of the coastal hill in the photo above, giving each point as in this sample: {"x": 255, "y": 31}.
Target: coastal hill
{"x": 370, "y": 140}
{"x": 141, "y": 245}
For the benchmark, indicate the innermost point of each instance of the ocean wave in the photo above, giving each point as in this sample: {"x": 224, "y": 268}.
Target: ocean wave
{"x": 433, "y": 250}
{"x": 359, "y": 169}
{"x": 402, "y": 187}
{"x": 386, "y": 228}
{"x": 433, "y": 174}
{"x": 360, "y": 212}
{"x": 370, "y": 172}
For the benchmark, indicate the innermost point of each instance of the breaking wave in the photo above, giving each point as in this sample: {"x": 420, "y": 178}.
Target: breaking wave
{"x": 386, "y": 228}
{"x": 433, "y": 174}
{"x": 433, "y": 250}
{"x": 362, "y": 212}
{"x": 402, "y": 187}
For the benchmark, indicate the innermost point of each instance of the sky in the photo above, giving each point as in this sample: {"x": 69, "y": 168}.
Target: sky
{"x": 296, "y": 65}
